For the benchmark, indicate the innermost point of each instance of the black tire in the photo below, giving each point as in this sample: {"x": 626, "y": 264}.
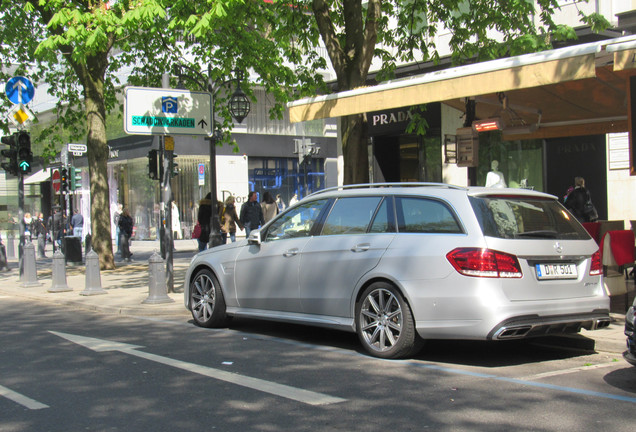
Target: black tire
{"x": 206, "y": 300}
{"x": 384, "y": 323}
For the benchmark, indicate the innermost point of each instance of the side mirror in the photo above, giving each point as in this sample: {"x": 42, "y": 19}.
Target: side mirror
{"x": 254, "y": 237}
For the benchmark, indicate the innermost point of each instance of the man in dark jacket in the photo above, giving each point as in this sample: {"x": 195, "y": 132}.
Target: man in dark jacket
{"x": 203, "y": 218}
{"x": 251, "y": 214}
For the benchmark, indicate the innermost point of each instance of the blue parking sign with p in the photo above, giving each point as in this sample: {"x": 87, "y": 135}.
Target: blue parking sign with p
{"x": 169, "y": 104}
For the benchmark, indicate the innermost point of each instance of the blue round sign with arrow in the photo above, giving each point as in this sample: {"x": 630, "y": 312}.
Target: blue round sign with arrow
{"x": 20, "y": 90}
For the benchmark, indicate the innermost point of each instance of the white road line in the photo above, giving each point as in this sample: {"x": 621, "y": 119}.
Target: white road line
{"x": 21, "y": 399}
{"x": 567, "y": 371}
{"x": 294, "y": 393}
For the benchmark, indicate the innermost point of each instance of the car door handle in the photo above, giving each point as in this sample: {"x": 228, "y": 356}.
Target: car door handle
{"x": 361, "y": 247}
{"x": 291, "y": 252}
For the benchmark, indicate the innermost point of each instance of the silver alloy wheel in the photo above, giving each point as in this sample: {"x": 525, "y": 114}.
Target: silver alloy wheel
{"x": 203, "y": 298}
{"x": 381, "y": 320}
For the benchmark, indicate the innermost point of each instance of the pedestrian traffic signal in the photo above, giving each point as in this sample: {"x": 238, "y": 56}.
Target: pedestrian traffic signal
{"x": 63, "y": 181}
{"x": 75, "y": 178}
{"x": 10, "y": 165}
{"x": 25, "y": 156}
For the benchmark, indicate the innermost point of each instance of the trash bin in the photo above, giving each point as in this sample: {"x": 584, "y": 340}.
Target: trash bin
{"x": 72, "y": 248}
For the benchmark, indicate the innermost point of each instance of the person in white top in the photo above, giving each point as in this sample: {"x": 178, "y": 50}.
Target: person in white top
{"x": 495, "y": 178}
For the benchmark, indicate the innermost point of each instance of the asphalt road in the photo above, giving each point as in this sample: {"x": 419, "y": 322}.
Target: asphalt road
{"x": 70, "y": 370}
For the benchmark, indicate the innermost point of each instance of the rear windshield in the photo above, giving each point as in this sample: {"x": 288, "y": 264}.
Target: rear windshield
{"x": 513, "y": 217}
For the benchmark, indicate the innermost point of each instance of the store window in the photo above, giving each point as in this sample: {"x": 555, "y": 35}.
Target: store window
{"x": 286, "y": 177}
{"x": 520, "y": 162}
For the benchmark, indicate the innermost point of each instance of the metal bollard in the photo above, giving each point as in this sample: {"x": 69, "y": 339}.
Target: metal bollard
{"x": 29, "y": 275}
{"x": 10, "y": 246}
{"x": 93, "y": 277}
{"x": 59, "y": 274}
{"x": 157, "y": 291}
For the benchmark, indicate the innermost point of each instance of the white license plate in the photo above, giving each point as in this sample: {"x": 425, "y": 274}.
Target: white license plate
{"x": 556, "y": 271}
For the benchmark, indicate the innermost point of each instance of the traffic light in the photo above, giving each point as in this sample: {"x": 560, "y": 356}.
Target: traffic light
{"x": 75, "y": 178}
{"x": 63, "y": 181}
{"x": 25, "y": 156}
{"x": 154, "y": 171}
{"x": 11, "y": 154}
{"x": 175, "y": 166}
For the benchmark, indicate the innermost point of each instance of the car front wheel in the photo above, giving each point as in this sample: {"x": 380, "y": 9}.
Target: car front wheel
{"x": 384, "y": 322}
{"x": 206, "y": 300}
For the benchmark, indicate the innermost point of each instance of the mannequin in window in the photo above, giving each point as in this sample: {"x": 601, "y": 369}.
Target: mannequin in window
{"x": 495, "y": 178}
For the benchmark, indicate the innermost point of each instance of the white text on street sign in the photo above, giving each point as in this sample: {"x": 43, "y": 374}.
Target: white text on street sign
{"x": 157, "y": 111}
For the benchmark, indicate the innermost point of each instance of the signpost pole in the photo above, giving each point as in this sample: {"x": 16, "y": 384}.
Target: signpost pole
{"x": 168, "y": 151}
{"x": 21, "y": 218}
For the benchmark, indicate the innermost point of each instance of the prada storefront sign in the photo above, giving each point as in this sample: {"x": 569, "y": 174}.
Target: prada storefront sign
{"x": 389, "y": 122}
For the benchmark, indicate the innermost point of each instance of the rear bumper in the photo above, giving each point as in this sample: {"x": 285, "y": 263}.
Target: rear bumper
{"x": 535, "y": 325}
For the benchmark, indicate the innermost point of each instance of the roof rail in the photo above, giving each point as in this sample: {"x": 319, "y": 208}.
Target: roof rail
{"x": 388, "y": 185}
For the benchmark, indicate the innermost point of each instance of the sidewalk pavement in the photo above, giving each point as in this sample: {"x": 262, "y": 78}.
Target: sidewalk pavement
{"x": 126, "y": 288}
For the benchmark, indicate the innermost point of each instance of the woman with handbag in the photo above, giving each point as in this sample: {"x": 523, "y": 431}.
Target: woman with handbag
{"x": 229, "y": 218}
{"x": 579, "y": 202}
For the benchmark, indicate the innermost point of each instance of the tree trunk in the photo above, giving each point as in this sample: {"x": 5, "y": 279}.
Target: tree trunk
{"x": 97, "y": 168}
{"x": 355, "y": 149}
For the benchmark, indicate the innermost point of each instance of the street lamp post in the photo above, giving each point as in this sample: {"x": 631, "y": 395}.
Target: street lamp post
{"x": 239, "y": 105}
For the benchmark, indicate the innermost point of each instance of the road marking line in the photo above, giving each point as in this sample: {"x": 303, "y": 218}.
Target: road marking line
{"x": 21, "y": 399}
{"x": 294, "y": 393}
{"x": 567, "y": 371}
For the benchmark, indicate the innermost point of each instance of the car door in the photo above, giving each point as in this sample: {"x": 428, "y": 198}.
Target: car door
{"x": 348, "y": 247}
{"x": 267, "y": 273}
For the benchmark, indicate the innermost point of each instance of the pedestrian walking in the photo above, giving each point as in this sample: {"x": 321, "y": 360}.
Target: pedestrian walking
{"x": 40, "y": 231}
{"x": 229, "y": 219}
{"x": 203, "y": 219}
{"x": 125, "y": 233}
{"x": 280, "y": 203}
{"x": 77, "y": 223}
{"x": 55, "y": 226}
{"x": 579, "y": 202}
{"x": 28, "y": 220}
{"x": 270, "y": 207}
{"x": 4, "y": 264}
{"x": 251, "y": 214}
{"x": 116, "y": 216}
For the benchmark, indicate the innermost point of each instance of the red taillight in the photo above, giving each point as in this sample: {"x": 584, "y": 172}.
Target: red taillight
{"x": 484, "y": 263}
{"x": 596, "y": 268}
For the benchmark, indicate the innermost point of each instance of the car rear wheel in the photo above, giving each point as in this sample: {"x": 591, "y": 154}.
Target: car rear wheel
{"x": 385, "y": 324}
{"x": 206, "y": 300}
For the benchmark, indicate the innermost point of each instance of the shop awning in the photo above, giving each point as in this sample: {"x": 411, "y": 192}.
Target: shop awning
{"x": 578, "y": 90}
{"x": 39, "y": 177}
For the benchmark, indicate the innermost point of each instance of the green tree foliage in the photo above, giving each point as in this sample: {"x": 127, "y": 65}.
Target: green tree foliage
{"x": 357, "y": 33}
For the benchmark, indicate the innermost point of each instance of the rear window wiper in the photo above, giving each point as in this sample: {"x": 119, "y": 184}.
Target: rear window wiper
{"x": 540, "y": 234}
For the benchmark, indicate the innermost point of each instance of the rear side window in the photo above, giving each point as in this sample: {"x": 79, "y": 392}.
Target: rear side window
{"x": 512, "y": 217}
{"x": 422, "y": 215}
{"x": 350, "y": 215}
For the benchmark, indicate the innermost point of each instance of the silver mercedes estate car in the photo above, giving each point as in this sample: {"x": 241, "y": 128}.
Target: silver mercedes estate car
{"x": 405, "y": 262}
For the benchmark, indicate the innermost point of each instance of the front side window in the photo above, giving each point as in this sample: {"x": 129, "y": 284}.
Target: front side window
{"x": 350, "y": 215}
{"x": 525, "y": 217}
{"x": 422, "y": 215}
{"x": 297, "y": 222}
